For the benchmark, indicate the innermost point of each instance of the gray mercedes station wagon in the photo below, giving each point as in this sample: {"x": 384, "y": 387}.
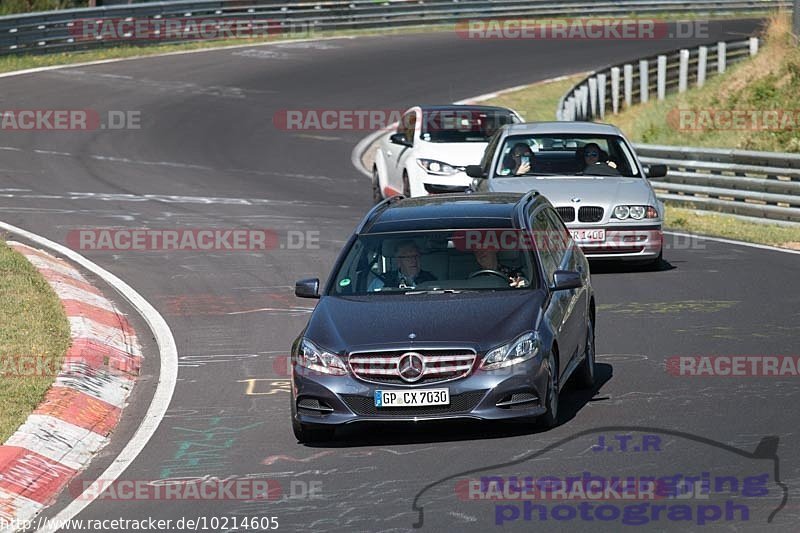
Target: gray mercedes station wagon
{"x": 449, "y": 306}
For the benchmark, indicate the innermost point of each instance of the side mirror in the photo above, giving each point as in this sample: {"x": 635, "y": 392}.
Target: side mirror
{"x": 475, "y": 171}
{"x": 433, "y": 188}
{"x": 307, "y": 288}
{"x": 657, "y": 171}
{"x": 565, "y": 280}
{"x": 400, "y": 138}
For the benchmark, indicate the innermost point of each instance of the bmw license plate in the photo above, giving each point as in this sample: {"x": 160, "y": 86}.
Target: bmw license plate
{"x": 412, "y": 398}
{"x": 588, "y": 235}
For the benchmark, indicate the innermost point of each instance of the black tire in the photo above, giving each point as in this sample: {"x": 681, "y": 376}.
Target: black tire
{"x": 550, "y": 418}
{"x": 377, "y": 195}
{"x": 406, "y": 186}
{"x": 308, "y": 434}
{"x": 652, "y": 264}
{"x": 584, "y": 375}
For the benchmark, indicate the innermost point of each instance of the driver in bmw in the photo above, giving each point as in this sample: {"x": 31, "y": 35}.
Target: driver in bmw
{"x": 488, "y": 260}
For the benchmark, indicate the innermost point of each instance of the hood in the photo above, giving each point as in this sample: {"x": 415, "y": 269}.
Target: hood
{"x": 592, "y": 190}
{"x": 456, "y": 154}
{"x": 480, "y": 320}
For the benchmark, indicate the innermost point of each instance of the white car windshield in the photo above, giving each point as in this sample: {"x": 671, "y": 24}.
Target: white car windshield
{"x": 574, "y": 155}
{"x": 462, "y": 125}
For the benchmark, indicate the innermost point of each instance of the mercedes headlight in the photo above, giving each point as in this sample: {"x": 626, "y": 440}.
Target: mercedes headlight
{"x": 523, "y": 348}
{"x": 314, "y": 358}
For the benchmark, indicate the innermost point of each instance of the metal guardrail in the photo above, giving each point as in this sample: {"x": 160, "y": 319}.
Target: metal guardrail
{"x": 750, "y": 183}
{"x": 741, "y": 182}
{"x": 620, "y": 86}
{"x": 55, "y": 31}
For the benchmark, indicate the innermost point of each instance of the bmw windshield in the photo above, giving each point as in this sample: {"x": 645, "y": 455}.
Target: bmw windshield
{"x": 437, "y": 261}
{"x": 573, "y": 155}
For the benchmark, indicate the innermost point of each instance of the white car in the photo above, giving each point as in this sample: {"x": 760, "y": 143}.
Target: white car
{"x": 432, "y": 145}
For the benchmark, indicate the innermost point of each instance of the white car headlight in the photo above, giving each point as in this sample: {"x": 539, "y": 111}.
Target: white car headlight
{"x": 314, "y": 358}
{"x": 438, "y": 168}
{"x": 621, "y": 212}
{"x": 523, "y": 348}
{"x": 636, "y": 212}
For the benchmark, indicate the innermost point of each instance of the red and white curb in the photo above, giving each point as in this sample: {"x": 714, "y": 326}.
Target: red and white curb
{"x": 84, "y": 404}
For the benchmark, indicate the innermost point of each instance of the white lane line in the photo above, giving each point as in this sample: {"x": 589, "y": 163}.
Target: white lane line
{"x": 168, "y": 353}
{"x": 731, "y": 241}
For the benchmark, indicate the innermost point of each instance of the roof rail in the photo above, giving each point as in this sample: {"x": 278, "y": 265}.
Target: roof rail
{"x": 378, "y": 208}
{"x": 527, "y": 198}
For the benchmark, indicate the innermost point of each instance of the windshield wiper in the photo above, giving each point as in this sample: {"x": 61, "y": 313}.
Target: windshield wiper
{"x": 438, "y": 291}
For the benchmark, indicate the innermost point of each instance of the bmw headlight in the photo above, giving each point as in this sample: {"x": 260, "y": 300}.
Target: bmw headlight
{"x": 635, "y": 212}
{"x": 523, "y": 348}
{"x": 431, "y": 166}
{"x": 314, "y": 358}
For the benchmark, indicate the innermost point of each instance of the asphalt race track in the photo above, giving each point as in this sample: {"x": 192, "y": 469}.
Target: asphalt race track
{"x": 207, "y": 137}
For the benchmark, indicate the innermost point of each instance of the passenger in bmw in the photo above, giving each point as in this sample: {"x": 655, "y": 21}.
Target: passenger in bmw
{"x": 489, "y": 262}
{"x": 408, "y": 273}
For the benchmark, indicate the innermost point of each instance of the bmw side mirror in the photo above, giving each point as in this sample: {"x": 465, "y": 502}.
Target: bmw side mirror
{"x": 475, "y": 171}
{"x": 307, "y": 288}
{"x": 399, "y": 138}
{"x": 565, "y": 280}
{"x": 657, "y": 171}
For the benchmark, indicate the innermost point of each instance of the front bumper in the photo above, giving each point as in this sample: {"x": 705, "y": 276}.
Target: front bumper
{"x": 626, "y": 243}
{"x": 349, "y": 399}
{"x": 418, "y": 178}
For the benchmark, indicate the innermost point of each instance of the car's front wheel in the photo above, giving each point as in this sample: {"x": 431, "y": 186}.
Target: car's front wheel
{"x": 406, "y": 186}
{"x": 550, "y": 418}
{"x": 310, "y": 434}
{"x": 584, "y": 376}
{"x": 377, "y": 196}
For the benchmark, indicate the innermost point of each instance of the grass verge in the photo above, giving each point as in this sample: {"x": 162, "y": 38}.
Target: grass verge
{"x": 33, "y": 326}
{"x": 719, "y": 225}
{"x": 537, "y": 102}
{"x": 761, "y": 92}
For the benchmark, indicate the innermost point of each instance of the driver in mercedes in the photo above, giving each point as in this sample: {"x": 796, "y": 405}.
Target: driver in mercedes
{"x": 489, "y": 263}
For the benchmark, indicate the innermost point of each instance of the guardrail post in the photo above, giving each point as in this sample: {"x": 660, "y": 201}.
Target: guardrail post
{"x": 753, "y": 46}
{"x": 593, "y": 97}
{"x": 644, "y": 84}
{"x": 702, "y": 63}
{"x": 601, "y": 95}
{"x": 662, "y": 77}
{"x": 584, "y": 96}
{"x": 722, "y": 52}
{"x": 570, "y": 110}
{"x": 628, "y": 84}
{"x": 683, "y": 71}
{"x": 615, "y": 90}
